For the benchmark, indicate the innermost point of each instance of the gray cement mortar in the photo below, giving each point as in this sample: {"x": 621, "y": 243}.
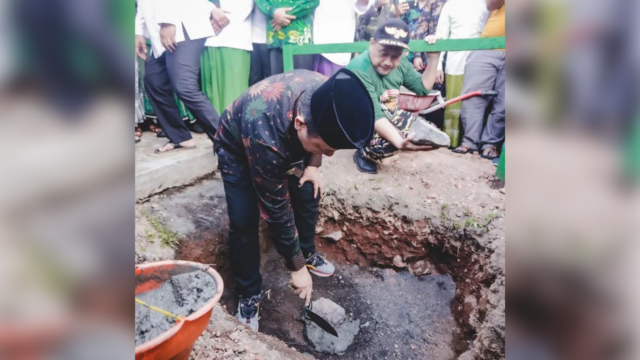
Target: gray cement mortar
{"x": 425, "y": 135}
{"x": 182, "y": 295}
{"x": 346, "y": 328}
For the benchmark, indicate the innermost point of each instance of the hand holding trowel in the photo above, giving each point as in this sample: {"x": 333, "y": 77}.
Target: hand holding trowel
{"x": 303, "y": 285}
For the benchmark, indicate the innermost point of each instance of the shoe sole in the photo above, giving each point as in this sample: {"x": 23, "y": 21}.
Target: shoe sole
{"x": 245, "y": 324}
{"x": 355, "y": 160}
{"x": 320, "y": 274}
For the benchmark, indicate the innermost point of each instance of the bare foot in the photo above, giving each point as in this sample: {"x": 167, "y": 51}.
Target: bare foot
{"x": 189, "y": 144}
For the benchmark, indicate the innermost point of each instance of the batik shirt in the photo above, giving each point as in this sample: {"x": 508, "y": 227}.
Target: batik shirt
{"x": 300, "y": 31}
{"x": 411, "y": 18}
{"x": 256, "y": 133}
{"x": 423, "y": 22}
{"x": 428, "y": 21}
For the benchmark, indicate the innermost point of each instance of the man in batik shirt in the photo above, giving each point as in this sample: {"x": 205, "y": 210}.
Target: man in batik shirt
{"x": 271, "y": 136}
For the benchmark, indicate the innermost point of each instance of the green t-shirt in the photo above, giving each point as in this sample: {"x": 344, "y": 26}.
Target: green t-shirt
{"x": 384, "y": 90}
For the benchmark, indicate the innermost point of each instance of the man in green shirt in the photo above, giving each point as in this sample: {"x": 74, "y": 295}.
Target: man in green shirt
{"x": 383, "y": 69}
{"x": 288, "y": 22}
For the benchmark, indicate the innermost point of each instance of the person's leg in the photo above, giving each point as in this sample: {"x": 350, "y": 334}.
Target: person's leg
{"x": 494, "y": 130}
{"x": 232, "y": 66}
{"x": 379, "y": 148}
{"x": 324, "y": 66}
{"x": 305, "y": 212}
{"x": 183, "y": 66}
{"x": 304, "y": 62}
{"x": 256, "y": 71}
{"x": 244, "y": 217}
{"x": 260, "y": 64}
{"x": 479, "y": 74}
{"x": 275, "y": 58}
{"x": 160, "y": 94}
{"x": 452, "y": 112}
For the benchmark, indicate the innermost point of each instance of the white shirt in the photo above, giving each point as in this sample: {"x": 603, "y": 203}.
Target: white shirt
{"x": 258, "y": 27}
{"x": 192, "y": 14}
{"x": 237, "y": 34}
{"x": 334, "y": 22}
{"x": 460, "y": 19}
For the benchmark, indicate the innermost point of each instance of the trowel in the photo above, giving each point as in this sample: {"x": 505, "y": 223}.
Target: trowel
{"x": 318, "y": 320}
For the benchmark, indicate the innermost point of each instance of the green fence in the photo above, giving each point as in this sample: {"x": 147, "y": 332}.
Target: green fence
{"x": 289, "y": 51}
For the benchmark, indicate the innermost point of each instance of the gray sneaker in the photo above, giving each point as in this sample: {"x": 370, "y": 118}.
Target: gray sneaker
{"x": 319, "y": 266}
{"x": 429, "y": 134}
{"x": 249, "y": 311}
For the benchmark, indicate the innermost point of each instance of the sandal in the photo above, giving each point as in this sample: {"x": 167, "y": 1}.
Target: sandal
{"x": 489, "y": 152}
{"x": 462, "y": 150}
{"x": 175, "y": 147}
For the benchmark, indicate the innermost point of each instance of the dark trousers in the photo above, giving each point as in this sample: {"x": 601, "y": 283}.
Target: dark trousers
{"x": 260, "y": 64}
{"x": 299, "y": 61}
{"x": 179, "y": 72}
{"x": 485, "y": 70}
{"x": 244, "y": 217}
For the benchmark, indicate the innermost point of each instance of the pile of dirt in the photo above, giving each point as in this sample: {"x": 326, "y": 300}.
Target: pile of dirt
{"x": 182, "y": 295}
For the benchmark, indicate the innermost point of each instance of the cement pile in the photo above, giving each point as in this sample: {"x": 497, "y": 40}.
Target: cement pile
{"x": 321, "y": 340}
{"x": 182, "y": 295}
{"x": 425, "y": 134}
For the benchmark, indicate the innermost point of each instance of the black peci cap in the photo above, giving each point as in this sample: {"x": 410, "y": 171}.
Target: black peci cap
{"x": 343, "y": 111}
{"x": 394, "y": 32}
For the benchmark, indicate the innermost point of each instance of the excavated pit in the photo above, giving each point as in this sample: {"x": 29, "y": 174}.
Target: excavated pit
{"x": 424, "y": 281}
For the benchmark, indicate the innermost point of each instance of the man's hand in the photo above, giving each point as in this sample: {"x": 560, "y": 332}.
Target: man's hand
{"x": 430, "y": 39}
{"x": 301, "y": 282}
{"x": 403, "y": 7}
{"x": 168, "y": 37}
{"x": 407, "y": 145}
{"x": 312, "y": 174}
{"x": 219, "y": 19}
{"x": 440, "y": 77}
{"x": 417, "y": 64}
{"x": 281, "y": 18}
{"x": 141, "y": 47}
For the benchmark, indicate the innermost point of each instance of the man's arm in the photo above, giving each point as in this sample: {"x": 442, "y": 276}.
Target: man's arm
{"x": 304, "y": 8}
{"x": 239, "y": 10}
{"x": 494, "y": 4}
{"x": 443, "y": 30}
{"x": 139, "y": 23}
{"x": 420, "y": 84}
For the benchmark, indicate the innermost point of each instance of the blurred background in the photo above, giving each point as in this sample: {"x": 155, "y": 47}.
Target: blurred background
{"x": 67, "y": 188}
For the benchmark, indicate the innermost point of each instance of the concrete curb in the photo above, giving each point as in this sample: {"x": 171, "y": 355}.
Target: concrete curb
{"x": 181, "y": 168}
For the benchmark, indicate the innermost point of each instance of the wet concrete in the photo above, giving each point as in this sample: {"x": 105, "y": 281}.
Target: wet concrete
{"x": 401, "y": 316}
{"x": 182, "y": 295}
{"x": 346, "y": 327}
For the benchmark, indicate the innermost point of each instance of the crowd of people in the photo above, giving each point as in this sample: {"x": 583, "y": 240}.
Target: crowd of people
{"x": 217, "y": 68}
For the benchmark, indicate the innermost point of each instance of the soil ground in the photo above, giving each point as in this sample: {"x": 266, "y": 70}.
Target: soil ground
{"x": 439, "y": 208}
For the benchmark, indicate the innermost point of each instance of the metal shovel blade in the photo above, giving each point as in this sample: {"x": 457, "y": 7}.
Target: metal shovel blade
{"x": 318, "y": 320}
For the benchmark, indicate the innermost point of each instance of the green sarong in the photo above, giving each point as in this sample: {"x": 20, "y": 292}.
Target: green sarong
{"x": 225, "y": 75}
{"x": 452, "y": 112}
